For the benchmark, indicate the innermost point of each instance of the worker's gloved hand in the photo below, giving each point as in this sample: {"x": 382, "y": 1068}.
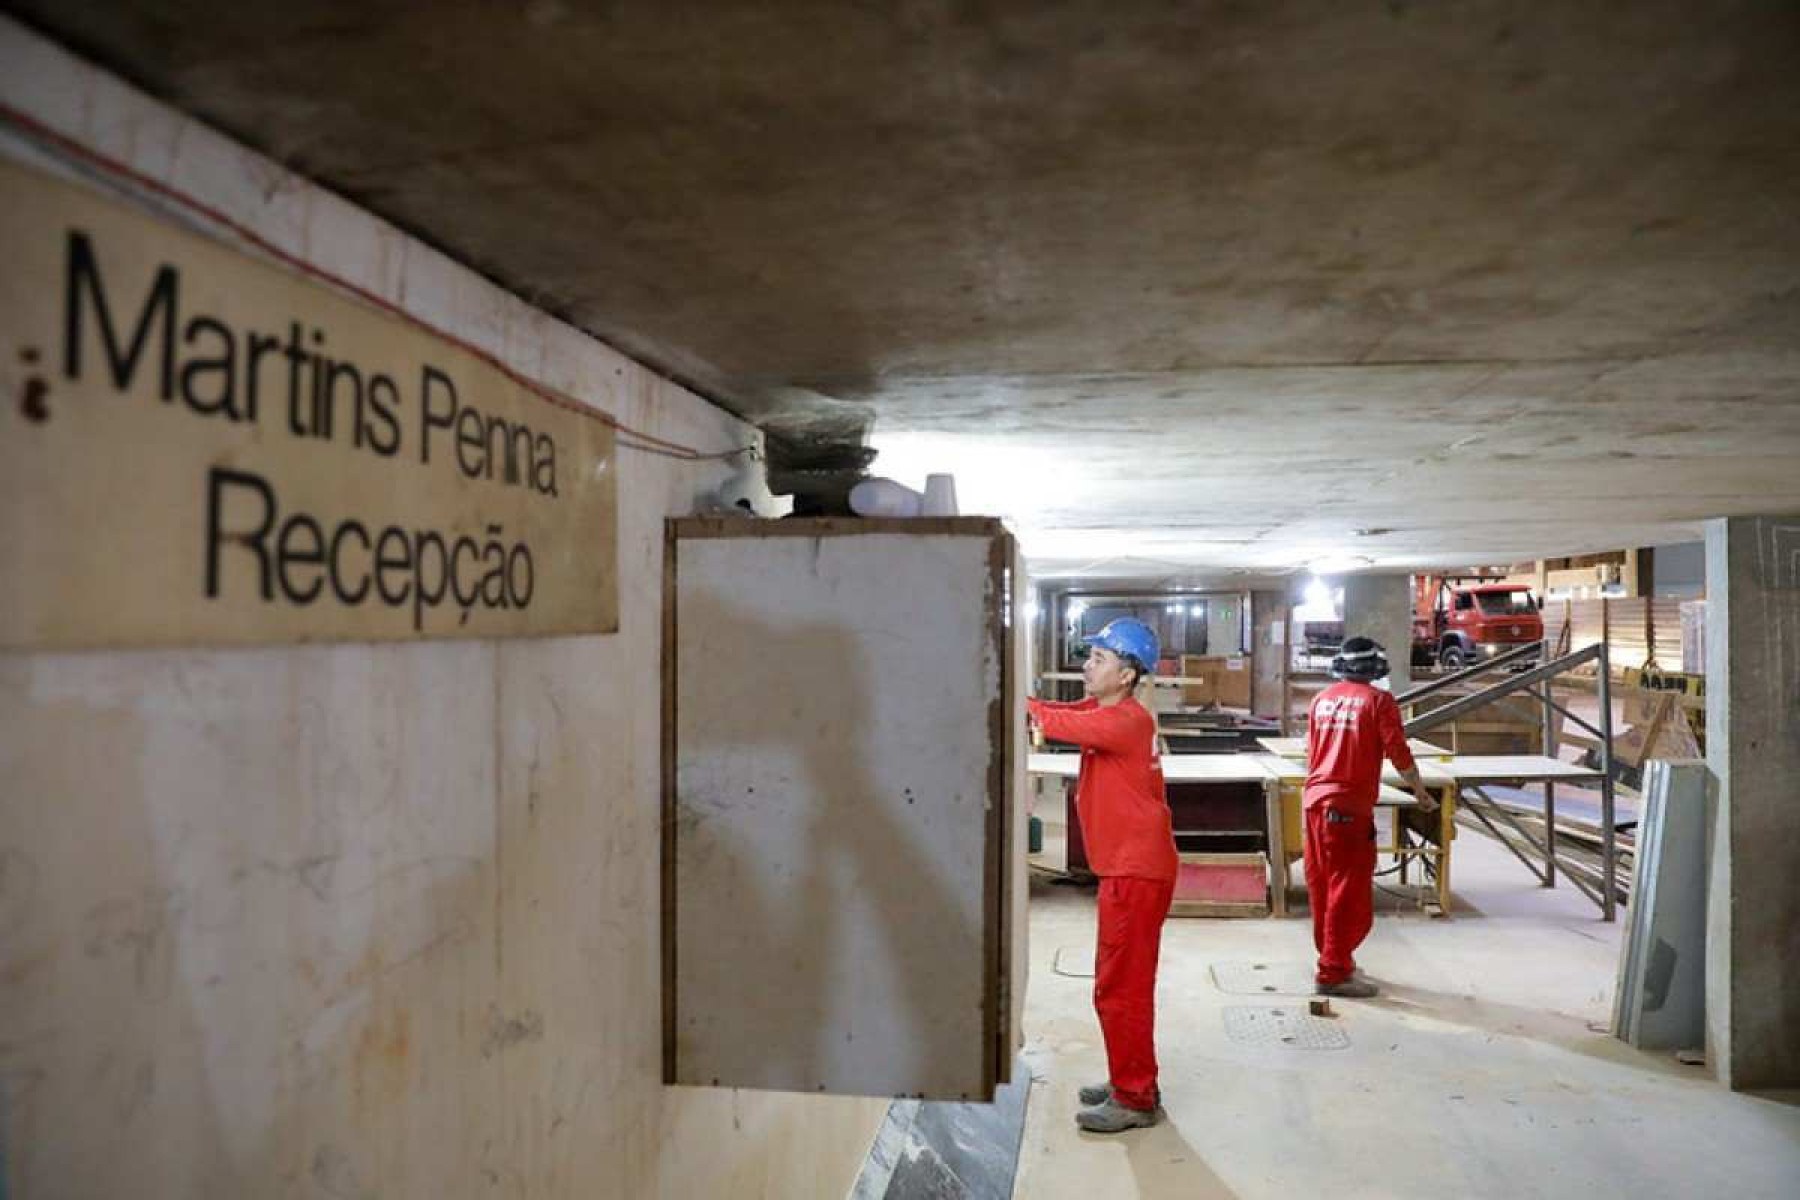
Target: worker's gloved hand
{"x": 1427, "y": 802}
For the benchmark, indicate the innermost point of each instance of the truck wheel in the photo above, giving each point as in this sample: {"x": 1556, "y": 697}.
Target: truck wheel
{"x": 1454, "y": 656}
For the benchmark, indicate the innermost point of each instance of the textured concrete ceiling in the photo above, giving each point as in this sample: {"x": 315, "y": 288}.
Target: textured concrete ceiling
{"x": 1179, "y": 287}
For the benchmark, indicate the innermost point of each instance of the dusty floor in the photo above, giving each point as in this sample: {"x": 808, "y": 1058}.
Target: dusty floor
{"x": 1477, "y": 1074}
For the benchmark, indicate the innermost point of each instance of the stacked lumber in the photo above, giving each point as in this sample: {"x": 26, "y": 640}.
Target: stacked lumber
{"x": 1637, "y": 629}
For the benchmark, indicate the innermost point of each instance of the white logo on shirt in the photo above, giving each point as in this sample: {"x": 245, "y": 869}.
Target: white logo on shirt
{"x": 1337, "y": 712}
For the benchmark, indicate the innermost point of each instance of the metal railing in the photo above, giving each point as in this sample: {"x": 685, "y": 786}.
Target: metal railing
{"x": 1524, "y": 653}
{"x": 1535, "y": 681}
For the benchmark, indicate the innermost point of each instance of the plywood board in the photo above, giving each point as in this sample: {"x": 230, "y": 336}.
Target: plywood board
{"x": 1499, "y": 768}
{"x": 840, "y": 809}
{"x": 1177, "y": 768}
{"x": 1295, "y": 747}
{"x": 1015, "y": 875}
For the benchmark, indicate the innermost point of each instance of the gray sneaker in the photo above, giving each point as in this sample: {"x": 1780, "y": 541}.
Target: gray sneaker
{"x": 1113, "y": 1117}
{"x": 1349, "y": 989}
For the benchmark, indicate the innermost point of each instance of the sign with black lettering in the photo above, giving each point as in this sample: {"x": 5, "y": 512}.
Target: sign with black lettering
{"x": 201, "y": 448}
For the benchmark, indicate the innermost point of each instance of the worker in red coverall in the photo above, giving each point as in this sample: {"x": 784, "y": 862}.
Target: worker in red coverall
{"x": 1125, "y": 822}
{"x": 1350, "y": 727}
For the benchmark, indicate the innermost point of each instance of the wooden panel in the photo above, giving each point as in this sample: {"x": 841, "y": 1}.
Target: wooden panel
{"x": 840, "y": 808}
{"x": 1637, "y": 630}
{"x": 1015, "y": 922}
{"x": 1499, "y": 768}
{"x": 211, "y": 450}
{"x": 1177, "y": 768}
{"x": 1221, "y": 885}
{"x": 1216, "y": 680}
{"x": 1295, "y": 748}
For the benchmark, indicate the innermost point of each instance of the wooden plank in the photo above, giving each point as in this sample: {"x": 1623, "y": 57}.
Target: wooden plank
{"x": 1006, "y": 594}
{"x": 1433, "y": 773}
{"x": 1275, "y": 823}
{"x": 1246, "y": 768}
{"x": 996, "y": 945}
{"x": 1392, "y": 797}
{"x": 1502, "y": 768}
{"x": 1177, "y": 768}
{"x": 1294, "y": 747}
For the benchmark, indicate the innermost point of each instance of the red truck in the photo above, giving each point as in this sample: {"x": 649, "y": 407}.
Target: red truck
{"x": 1458, "y": 621}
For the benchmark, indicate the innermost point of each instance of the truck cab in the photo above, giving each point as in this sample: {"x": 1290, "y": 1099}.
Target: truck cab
{"x": 1457, "y": 622}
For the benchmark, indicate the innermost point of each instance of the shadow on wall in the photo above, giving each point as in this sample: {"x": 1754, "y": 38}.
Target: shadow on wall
{"x": 824, "y": 908}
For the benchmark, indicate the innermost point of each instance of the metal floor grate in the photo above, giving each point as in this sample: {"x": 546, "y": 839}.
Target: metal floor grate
{"x": 1263, "y": 979}
{"x": 1266, "y": 1025}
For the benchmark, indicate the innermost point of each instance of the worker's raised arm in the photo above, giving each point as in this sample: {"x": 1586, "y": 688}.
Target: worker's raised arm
{"x": 1118, "y": 729}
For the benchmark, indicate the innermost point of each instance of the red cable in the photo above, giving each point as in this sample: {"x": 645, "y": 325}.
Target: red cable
{"x": 646, "y": 442}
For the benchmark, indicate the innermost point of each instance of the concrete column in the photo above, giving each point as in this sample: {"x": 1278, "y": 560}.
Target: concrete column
{"x": 1639, "y": 572}
{"x": 1269, "y": 651}
{"x": 1753, "y": 751}
{"x": 1380, "y": 607}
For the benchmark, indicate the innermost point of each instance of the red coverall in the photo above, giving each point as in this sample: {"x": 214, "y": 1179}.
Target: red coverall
{"x": 1349, "y": 728}
{"x": 1125, "y": 822}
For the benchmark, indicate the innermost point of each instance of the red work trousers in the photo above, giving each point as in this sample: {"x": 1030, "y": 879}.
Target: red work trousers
{"x": 1340, "y": 885}
{"x": 1130, "y": 937}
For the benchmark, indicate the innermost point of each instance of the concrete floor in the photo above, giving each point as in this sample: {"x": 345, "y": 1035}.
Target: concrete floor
{"x": 1477, "y": 1074}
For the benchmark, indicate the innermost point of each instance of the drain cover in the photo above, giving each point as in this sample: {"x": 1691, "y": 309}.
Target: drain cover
{"x": 1263, "y": 979}
{"x": 1267, "y": 1025}
{"x": 1077, "y": 962}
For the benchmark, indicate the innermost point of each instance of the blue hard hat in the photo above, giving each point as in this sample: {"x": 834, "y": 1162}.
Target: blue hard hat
{"x": 1130, "y": 638}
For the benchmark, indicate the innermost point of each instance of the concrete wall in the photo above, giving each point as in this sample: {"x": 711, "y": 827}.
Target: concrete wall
{"x": 1225, "y": 624}
{"x": 1753, "y": 749}
{"x": 360, "y": 920}
{"x": 1680, "y": 571}
{"x": 1268, "y": 637}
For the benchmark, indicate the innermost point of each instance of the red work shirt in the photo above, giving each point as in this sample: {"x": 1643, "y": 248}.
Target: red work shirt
{"x": 1349, "y": 729}
{"x": 1119, "y": 795}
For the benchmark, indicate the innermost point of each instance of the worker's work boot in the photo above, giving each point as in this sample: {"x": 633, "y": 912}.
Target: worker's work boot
{"x": 1100, "y": 1093}
{"x": 1349, "y": 989}
{"x": 1113, "y": 1117}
